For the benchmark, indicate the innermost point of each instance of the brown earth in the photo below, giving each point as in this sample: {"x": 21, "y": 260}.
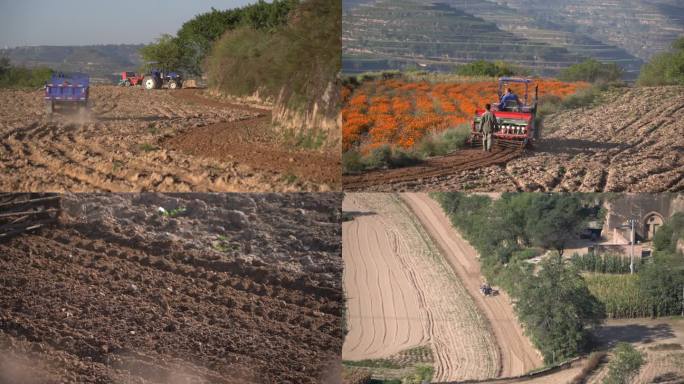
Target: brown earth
{"x": 224, "y": 288}
{"x": 136, "y": 140}
{"x": 633, "y": 142}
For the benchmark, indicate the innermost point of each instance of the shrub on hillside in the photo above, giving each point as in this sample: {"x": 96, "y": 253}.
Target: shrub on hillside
{"x": 592, "y": 71}
{"x": 666, "y": 68}
{"x": 21, "y": 77}
{"x": 441, "y": 143}
{"x": 624, "y": 365}
{"x": 487, "y": 69}
{"x": 192, "y": 43}
{"x": 301, "y": 58}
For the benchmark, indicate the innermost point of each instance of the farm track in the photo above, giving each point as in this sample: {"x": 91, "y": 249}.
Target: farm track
{"x": 135, "y": 140}
{"x": 433, "y": 168}
{"x": 401, "y": 294}
{"x": 120, "y": 293}
{"x": 518, "y": 355}
{"x": 632, "y": 142}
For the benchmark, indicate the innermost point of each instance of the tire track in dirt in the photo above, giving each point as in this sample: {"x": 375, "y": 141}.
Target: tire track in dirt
{"x": 518, "y": 356}
{"x": 402, "y": 294}
{"x": 432, "y": 169}
{"x": 119, "y": 147}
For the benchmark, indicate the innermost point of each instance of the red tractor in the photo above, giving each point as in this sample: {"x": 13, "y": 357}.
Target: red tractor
{"x": 130, "y": 79}
{"x": 517, "y": 125}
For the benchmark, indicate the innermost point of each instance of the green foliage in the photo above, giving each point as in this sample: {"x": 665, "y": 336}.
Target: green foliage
{"x": 192, "y": 43}
{"x": 554, "y": 220}
{"x": 21, "y": 77}
{"x": 669, "y": 233}
{"x": 441, "y": 143}
{"x": 666, "y": 68}
{"x": 624, "y": 365}
{"x": 620, "y": 294}
{"x": 174, "y": 212}
{"x": 488, "y": 69}
{"x": 382, "y": 157}
{"x": 166, "y": 53}
{"x": 296, "y": 63}
{"x": 661, "y": 281}
{"x": 591, "y": 262}
{"x": 593, "y": 71}
{"x": 555, "y": 308}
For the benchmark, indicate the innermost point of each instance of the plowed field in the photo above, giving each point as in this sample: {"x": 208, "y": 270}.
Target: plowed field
{"x": 632, "y": 142}
{"x": 136, "y": 140}
{"x": 222, "y": 289}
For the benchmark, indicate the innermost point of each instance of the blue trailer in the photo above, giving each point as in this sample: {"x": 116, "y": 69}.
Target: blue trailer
{"x": 67, "y": 90}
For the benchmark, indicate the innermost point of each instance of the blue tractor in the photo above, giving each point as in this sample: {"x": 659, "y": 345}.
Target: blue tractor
{"x": 67, "y": 90}
{"x": 156, "y": 79}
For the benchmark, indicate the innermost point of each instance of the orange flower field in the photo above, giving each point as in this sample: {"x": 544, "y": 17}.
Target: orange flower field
{"x": 400, "y": 112}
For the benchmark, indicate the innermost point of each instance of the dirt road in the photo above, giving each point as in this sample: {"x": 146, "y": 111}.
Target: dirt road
{"x": 136, "y": 140}
{"x": 226, "y": 288}
{"x": 633, "y": 141}
{"x": 401, "y": 293}
{"x": 518, "y": 356}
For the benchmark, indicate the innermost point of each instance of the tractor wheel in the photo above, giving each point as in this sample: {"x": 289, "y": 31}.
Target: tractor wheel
{"x": 127, "y": 83}
{"x": 173, "y": 84}
{"x": 149, "y": 83}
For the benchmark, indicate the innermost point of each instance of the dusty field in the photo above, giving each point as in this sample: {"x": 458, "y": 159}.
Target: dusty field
{"x": 518, "y": 355}
{"x": 136, "y": 140}
{"x": 232, "y": 289}
{"x": 634, "y": 143}
{"x": 401, "y": 294}
{"x": 663, "y": 365}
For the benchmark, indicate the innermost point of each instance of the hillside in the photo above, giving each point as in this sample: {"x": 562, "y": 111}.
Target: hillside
{"x": 545, "y": 36}
{"x": 100, "y": 61}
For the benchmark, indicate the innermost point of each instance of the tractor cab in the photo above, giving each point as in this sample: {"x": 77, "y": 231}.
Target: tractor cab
{"x": 516, "y": 120}
{"x": 525, "y": 105}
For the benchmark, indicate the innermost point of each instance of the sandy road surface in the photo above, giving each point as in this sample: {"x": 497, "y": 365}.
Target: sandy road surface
{"x": 633, "y": 142}
{"x": 136, "y": 140}
{"x": 401, "y": 293}
{"x": 237, "y": 288}
{"x": 517, "y": 353}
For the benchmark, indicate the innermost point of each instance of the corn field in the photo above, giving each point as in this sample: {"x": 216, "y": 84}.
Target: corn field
{"x": 591, "y": 262}
{"x": 620, "y": 294}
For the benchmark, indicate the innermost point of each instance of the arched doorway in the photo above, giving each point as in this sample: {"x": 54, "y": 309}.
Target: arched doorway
{"x": 652, "y": 222}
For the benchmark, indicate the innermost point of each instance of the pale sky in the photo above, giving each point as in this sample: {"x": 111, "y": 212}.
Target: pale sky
{"x": 85, "y": 22}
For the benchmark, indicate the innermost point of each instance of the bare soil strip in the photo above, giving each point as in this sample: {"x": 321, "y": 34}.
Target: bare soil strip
{"x": 632, "y": 142}
{"x": 518, "y": 355}
{"x": 401, "y": 294}
{"x": 436, "y": 167}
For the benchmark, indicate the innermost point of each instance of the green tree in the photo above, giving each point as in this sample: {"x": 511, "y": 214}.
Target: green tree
{"x": 486, "y": 68}
{"x": 625, "y": 364}
{"x": 593, "y": 71}
{"x": 555, "y": 219}
{"x": 666, "y": 68}
{"x": 557, "y": 308}
{"x": 166, "y": 53}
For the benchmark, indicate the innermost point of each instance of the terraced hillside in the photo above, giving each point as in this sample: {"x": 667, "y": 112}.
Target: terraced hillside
{"x": 544, "y": 35}
{"x": 397, "y": 34}
{"x": 642, "y": 28}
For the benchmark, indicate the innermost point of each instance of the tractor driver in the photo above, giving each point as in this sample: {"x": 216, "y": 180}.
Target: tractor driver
{"x": 508, "y": 99}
